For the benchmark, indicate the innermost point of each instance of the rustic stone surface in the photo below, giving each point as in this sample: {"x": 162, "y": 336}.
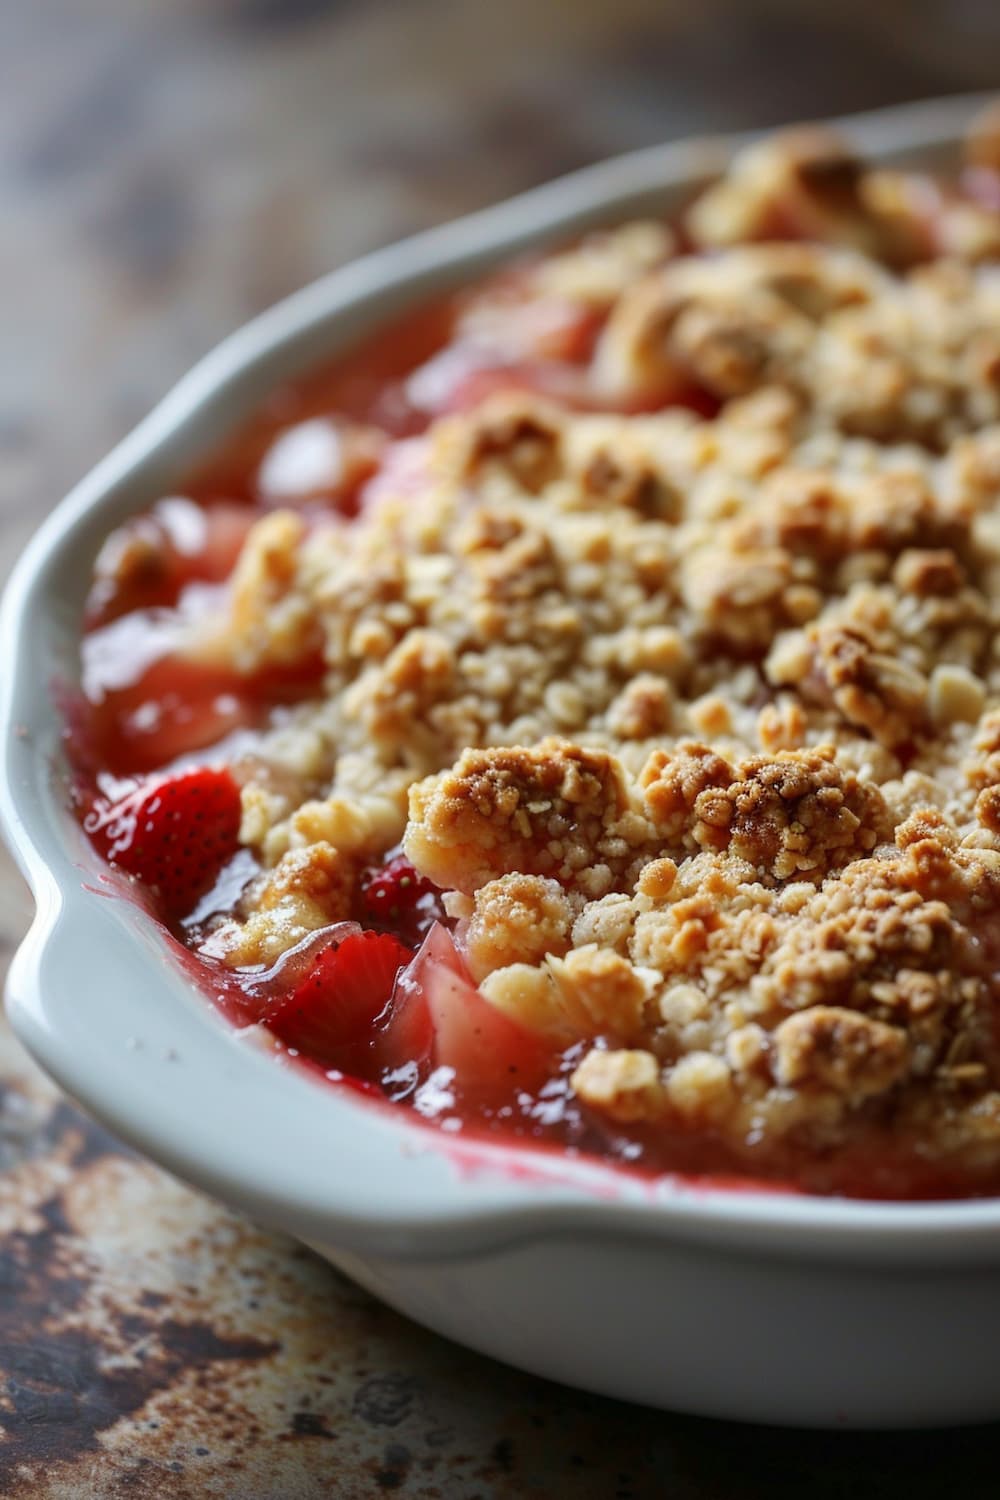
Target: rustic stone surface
{"x": 166, "y": 169}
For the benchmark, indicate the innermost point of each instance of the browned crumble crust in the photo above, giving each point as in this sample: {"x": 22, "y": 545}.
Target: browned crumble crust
{"x": 696, "y": 720}
{"x": 557, "y": 810}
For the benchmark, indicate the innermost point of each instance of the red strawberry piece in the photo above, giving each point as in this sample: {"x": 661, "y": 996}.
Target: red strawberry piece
{"x": 494, "y": 1057}
{"x": 147, "y": 562}
{"x": 477, "y": 385}
{"x": 174, "y": 833}
{"x": 399, "y": 898}
{"x": 337, "y": 1013}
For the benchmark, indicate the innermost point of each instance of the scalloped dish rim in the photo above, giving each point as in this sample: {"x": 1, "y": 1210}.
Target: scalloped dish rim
{"x": 173, "y": 1078}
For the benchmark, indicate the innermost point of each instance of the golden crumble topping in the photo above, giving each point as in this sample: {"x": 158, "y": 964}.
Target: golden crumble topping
{"x": 556, "y": 810}
{"x": 686, "y": 694}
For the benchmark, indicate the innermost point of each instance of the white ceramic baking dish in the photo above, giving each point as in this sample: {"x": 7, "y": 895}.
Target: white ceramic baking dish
{"x": 766, "y": 1306}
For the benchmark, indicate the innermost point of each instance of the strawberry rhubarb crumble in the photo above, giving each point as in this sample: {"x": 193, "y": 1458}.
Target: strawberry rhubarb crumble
{"x": 576, "y": 714}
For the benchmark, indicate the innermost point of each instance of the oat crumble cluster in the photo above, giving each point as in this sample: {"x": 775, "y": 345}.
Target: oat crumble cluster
{"x": 694, "y": 714}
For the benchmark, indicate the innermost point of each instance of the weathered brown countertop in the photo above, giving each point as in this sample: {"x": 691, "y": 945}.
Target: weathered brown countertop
{"x": 166, "y": 169}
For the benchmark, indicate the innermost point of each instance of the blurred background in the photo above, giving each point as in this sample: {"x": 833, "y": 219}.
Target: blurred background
{"x": 168, "y": 168}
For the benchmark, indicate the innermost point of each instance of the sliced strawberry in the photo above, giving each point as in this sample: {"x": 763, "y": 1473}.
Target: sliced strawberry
{"x": 148, "y": 560}
{"x": 148, "y": 705}
{"x": 494, "y": 1057}
{"x": 339, "y": 1011}
{"x": 562, "y": 382}
{"x": 172, "y": 708}
{"x": 175, "y": 833}
{"x": 982, "y": 185}
{"x": 407, "y": 1035}
{"x": 397, "y": 898}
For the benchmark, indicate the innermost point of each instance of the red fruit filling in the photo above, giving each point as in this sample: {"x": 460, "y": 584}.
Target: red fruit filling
{"x": 366, "y": 1006}
{"x": 389, "y": 1002}
{"x": 395, "y": 898}
{"x": 147, "y": 562}
{"x": 341, "y": 1013}
{"x": 174, "y": 833}
{"x": 491, "y": 1057}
